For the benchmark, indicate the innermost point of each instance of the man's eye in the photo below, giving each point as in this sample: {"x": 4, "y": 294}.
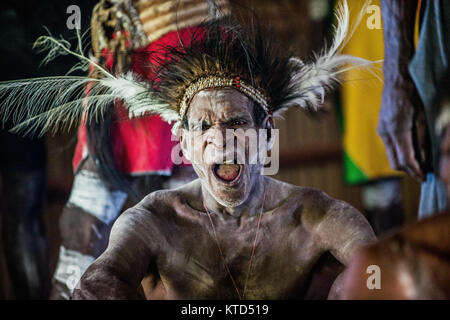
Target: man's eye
{"x": 205, "y": 125}
{"x": 201, "y": 126}
{"x": 237, "y": 122}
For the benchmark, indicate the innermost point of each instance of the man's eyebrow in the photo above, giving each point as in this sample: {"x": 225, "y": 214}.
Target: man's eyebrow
{"x": 199, "y": 122}
{"x": 236, "y": 117}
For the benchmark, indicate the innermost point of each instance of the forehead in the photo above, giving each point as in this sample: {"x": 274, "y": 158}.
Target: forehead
{"x": 220, "y": 103}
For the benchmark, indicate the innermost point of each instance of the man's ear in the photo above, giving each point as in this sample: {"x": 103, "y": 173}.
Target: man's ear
{"x": 183, "y": 138}
{"x": 269, "y": 125}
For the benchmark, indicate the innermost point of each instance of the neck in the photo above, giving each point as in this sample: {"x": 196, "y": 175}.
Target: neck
{"x": 250, "y": 207}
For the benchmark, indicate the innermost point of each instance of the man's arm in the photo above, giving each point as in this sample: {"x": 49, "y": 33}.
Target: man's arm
{"x": 343, "y": 230}
{"x": 339, "y": 229}
{"x": 118, "y": 272}
{"x": 399, "y": 92}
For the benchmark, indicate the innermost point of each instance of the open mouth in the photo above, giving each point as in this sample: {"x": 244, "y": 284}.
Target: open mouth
{"x": 227, "y": 173}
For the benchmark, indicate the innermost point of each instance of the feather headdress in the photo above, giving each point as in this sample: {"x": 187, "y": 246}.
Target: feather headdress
{"x": 220, "y": 54}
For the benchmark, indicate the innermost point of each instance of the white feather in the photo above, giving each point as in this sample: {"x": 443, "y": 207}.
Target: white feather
{"x": 35, "y": 106}
{"x": 311, "y": 81}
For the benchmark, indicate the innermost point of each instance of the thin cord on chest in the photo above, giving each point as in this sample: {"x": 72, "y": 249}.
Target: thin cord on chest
{"x": 252, "y": 254}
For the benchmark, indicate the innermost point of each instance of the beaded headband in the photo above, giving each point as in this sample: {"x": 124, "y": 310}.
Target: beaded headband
{"x": 221, "y": 82}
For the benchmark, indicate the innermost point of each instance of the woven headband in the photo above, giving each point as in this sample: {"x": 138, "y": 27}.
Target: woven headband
{"x": 220, "y": 82}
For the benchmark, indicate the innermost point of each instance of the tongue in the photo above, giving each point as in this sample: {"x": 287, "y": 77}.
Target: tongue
{"x": 227, "y": 172}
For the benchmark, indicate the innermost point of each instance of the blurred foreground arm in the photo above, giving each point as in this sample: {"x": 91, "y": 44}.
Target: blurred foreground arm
{"x": 399, "y": 93}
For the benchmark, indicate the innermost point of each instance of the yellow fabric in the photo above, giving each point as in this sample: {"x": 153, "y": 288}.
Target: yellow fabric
{"x": 361, "y": 100}
{"x": 417, "y": 23}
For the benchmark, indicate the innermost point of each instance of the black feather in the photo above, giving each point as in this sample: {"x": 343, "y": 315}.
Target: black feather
{"x": 226, "y": 49}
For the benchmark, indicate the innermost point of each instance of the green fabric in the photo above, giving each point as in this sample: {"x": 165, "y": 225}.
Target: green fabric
{"x": 353, "y": 175}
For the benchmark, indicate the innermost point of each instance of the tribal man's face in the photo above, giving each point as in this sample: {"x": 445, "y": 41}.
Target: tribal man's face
{"x": 223, "y": 160}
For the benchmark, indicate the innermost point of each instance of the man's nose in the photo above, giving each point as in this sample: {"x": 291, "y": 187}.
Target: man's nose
{"x": 217, "y": 136}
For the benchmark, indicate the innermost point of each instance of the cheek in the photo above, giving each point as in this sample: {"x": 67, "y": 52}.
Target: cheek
{"x": 201, "y": 173}
{"x": 247, "y": 147}
{"x": 192, "y": 149}
{"x": 197, "y": 152}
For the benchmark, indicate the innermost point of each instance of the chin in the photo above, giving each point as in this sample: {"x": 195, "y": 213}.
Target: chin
{"x": 229, "y": 199}
{"x": 228, "y": 193}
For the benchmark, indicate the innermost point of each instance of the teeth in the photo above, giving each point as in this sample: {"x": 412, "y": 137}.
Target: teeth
{"x": 229, "y": 161}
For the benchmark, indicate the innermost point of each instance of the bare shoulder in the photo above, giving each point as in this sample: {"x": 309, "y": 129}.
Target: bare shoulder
{"x": 340, "y": 227}
{"x": 313, "y": 205}
{"x": 168, "y": 203}
{"x": 166, "y": 197}
{"x": 320, "y": 209}
{"x": 152, "y": 215}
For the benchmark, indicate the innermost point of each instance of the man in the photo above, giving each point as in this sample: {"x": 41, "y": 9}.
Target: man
{"x": 171, "y": 230}
{"x": 232, "y": 233}
{"x": 231, "y": 227}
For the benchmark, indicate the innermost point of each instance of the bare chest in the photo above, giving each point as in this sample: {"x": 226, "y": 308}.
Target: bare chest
{"x": 276, "y": 265}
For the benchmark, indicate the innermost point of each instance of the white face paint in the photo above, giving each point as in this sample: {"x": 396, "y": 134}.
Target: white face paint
{"x": 210, "y": 115}
{"x": 90, "y": 194}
